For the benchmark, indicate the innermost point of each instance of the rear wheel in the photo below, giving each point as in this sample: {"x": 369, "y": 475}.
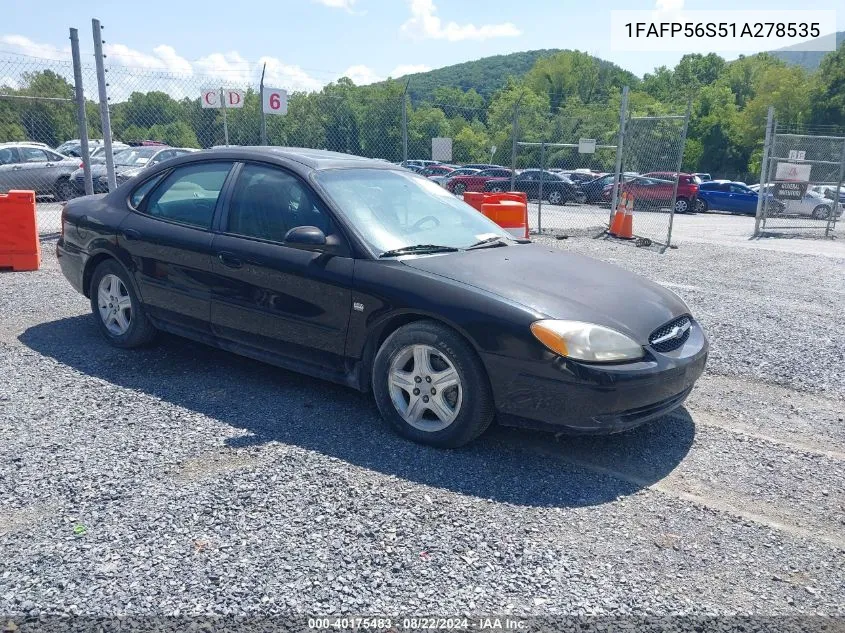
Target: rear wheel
{"x": 682, "y": 205}
{"x": 497, "y": 189}
{"x": 120, "y": 315}
{"x": 459, "y": 189}
{"x": 821, "y": 212}
{"x": 64, "y": 190}
{"x": 431, "y": 387}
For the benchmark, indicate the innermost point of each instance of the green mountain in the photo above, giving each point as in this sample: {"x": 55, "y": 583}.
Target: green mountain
{"x": 808, "y": 59}
{"x": 485, "y": 75}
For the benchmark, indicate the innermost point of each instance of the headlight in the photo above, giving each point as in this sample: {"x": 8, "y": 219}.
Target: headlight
{"x": 585, "y": 341}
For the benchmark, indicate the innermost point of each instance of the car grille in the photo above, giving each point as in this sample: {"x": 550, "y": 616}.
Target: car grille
{"x": 680, "y": 326}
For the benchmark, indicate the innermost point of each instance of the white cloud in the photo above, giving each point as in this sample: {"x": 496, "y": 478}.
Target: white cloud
{"x": 409, "y": 69}
{"x": 362, "y": 75}
{"x": 425, "y": 24}
{"x": 669, "y": 5}
{"x": 338, "y": 4}
{"x": 280, "y": 75}
{"x": 25, "y": 46}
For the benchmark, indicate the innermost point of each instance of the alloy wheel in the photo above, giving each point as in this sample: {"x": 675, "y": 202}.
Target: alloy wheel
{"x": 425, "y": 387}
{"x": 115, "y": 304}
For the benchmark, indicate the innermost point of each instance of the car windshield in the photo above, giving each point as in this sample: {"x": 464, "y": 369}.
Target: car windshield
{"x": 395, "y": 209}
{"x": 135, "y": 156}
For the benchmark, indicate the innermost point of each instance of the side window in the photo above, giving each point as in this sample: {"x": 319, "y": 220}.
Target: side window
{"x": 268, "y": 202}
{"x": 8, "y": 156}
{"x": 53, "y": 156}
{"x": 189, "y": 194}
{"x": 140, "y": 192}
{"x": 33, "y": 155}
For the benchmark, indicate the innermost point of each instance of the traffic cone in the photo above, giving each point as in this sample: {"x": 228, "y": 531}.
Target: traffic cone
{"x": 626, "y": 231}
{"x": 619, "y": 216}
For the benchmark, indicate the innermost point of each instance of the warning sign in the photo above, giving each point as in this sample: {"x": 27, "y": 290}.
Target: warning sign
{"x": 793, "y": 171}
{"x": 789, "y": 190}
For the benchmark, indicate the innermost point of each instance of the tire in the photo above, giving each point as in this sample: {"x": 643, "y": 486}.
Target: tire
{"x": 496, "y": 189}
{"x": 682, "y": 205}
{"x": 701, "y": 206}
{"x": 467, "y": 404}
{"x": 64, "y": 190}
{"x": 554, "y": 197}
{"x": 119, "y": 313}
{"x": 459, "y": 189}
{"x": 821, "y": 212}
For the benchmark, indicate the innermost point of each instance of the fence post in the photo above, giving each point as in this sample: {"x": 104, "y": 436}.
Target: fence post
{"x": 831, "y": 217}
{"x": 261, "y": 105}
{"x": 620, "y": 141}
{"x": 81, "y": 118}
{"x": 225, "y": 122}
{"x": 405, "y": 120}
{"x": 540, "y": 196}
{"x": 515, "y": 131}
{"x": 764, "y": 171}
{"x": 678, "y": 176}
{"x": 104, "y": 102}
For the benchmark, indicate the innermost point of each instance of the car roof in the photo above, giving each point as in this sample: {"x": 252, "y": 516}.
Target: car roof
{"x": 317, "y": 159}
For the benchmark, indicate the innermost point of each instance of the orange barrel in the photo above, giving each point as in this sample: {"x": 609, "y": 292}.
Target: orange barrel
{"x": 511, "y": 215}
{"x": 475, "y": 199}
{"x": 19, "y": 245}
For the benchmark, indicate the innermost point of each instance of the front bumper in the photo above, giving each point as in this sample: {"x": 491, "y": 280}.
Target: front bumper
{"x": 564, "y": 395}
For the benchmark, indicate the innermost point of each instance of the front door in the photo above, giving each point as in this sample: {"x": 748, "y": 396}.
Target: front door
{"x": 268, "y": 296}
{"x": 169, "y": 241}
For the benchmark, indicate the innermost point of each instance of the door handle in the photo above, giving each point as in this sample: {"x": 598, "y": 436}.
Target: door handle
{"x": 131, "y": 234}
{"x": 229, "y": 260}
{"x": 17, "y": 168}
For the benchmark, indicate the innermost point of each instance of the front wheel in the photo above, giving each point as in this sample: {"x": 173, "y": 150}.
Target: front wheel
{"x": 701, "y": 206}
{"x": 64, "y": 190}
{"x": 459, "y": 189}
{"x": 496, "y": 189}
{"x": 430, "y": 385}
{"x": 120, "y": 315}
{"x": 555, "y": 197}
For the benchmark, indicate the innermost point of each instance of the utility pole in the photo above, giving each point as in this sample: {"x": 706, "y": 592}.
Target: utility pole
{"x": 104, "y": 102}
{"x": 81, "y": 118}
{"x": 515, "y": 132}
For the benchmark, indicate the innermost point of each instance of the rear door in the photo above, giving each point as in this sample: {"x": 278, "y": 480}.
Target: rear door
{"x": 34, "y": 171}
{"x": 272, "y": 297}
{"x": 169, "y": 241}
{"x": 10, "y": 168}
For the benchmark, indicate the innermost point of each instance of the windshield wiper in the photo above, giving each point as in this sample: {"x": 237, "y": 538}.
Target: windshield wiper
{"x": 487, "y": 242}
{"x": 419, "y": 248}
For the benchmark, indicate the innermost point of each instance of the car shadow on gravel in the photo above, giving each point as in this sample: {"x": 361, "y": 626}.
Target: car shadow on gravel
{"x": 267, "y": 405}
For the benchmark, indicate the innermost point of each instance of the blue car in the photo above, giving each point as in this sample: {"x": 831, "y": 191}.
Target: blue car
{"x": 735, "y": 197}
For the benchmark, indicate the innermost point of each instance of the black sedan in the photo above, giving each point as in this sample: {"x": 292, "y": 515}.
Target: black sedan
{"x": 360, "y": 272}
{"x": 556, "y": 189}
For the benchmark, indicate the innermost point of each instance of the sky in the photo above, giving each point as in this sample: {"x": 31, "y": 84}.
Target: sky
{"x": 308, "y": 43}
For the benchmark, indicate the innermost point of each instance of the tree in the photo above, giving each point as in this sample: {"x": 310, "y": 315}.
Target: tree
{"x": 828, "y": 100}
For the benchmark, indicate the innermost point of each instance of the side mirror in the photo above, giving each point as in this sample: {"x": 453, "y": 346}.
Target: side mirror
{"x": 306, "y": 237}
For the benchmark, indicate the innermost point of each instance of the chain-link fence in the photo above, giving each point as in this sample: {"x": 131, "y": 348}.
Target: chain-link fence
{"x": 801, "y": 189}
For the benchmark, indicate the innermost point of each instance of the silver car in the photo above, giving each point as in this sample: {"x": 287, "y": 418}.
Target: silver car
{"x": 812, "y": 205}
{"x": 32, "y": 166}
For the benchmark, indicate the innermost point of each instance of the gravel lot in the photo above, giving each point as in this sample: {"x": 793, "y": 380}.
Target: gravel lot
{"x": 184, "y": 480}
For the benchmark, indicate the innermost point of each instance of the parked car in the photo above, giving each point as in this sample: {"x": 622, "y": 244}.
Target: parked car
{"x": 461, "y": 171}
{"x": 652, "y": 193}
{"x": 702, "y": 176}
{"x": 37, "y": 168}
{"x": 418, "y": 163}
{"x": 356, "y": 271}
{"x": 812, "y": 205}
{"x": 687, "y": 190}
{"x": 436, "y": 170}
{"x": 557, "y": 189}
{"x": 98, "y": 155}
{"x": 578, "y": 177}
{"x": 735, "y": 197}
{"x": 594, "y": 189}
{"x": 73, "y": 147}
{"x": 481, "y": 166}
{"x": 128, "y": 163}
{"x": 475, "y": 182}
{"x": 829, "y": 192}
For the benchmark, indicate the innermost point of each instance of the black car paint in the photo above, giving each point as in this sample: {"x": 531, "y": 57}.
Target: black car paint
{"x": 294, "y": 307}
{"x": 569, "y": 191}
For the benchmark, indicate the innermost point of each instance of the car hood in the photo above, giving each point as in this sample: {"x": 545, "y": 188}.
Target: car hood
{"x": 561, "y": 285}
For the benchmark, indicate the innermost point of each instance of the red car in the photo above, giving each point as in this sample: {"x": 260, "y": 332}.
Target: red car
{"x": 475, "y": 182}
{"x": 655, "y": 189}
